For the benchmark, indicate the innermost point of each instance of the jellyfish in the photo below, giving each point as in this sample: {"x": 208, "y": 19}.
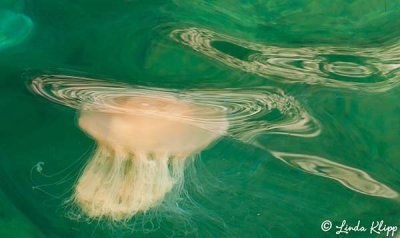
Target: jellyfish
{"x": 14, "y": 28}
{"x": 142, "y": 145}
{"x": 147, "y": 140}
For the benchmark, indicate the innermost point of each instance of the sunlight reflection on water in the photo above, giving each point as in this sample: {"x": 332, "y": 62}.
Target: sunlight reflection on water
{"x": 354, "y": 179}
{"x": 367, "y": 69}
{"x": 251, "y": 112}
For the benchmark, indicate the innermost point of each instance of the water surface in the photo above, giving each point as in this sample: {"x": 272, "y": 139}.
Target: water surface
{"x": 314, "y": 87}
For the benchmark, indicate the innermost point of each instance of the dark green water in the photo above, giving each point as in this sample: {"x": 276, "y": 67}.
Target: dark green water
{"x": 338, "y": 62}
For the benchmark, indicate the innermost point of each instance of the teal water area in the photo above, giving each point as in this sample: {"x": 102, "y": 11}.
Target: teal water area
{"x": 311, "y": 89}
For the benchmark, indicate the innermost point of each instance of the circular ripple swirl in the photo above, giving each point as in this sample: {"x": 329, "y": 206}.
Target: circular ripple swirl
{"x": 366, "y": 69}
{"x": 246, "y": 109}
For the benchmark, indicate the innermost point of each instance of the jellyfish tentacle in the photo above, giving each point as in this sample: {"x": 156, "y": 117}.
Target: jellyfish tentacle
{"x": 118, "y": 186}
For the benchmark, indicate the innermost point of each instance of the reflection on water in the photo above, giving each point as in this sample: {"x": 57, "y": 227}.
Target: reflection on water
{"x": 293, "y": 82}
{"x": 368, "y": 69}
{"x": 250, "y": 111}
{"x": 355, "y": 179}
{"x": 14, "y": 28}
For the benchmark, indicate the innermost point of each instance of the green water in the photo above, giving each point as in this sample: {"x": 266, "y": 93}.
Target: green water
{"x": 337, "y": 61}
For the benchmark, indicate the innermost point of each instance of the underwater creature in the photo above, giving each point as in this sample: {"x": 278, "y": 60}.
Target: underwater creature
{"x": 141, "y": 153}
{"x": 147, "y": 138}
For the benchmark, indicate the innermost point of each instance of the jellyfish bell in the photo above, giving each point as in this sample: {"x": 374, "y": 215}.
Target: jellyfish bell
{"x": 151, "y": 125}
{"x": 142, "y": 145}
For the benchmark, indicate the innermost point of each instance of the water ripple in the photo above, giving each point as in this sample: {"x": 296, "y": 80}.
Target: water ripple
{"x": 367, "y": 69}
{"x": 249, "y": 111}
{"x": 354, "y": 179}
